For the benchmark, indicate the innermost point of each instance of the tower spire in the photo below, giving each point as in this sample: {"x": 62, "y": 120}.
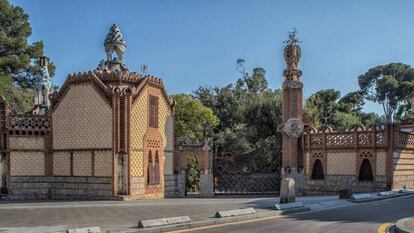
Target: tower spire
{"x": 292, "y": 159}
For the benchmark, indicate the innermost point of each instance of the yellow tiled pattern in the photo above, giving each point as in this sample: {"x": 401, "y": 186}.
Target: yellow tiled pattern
{"x": 139, "y": 121}
{"x": 61, "y": 164}
{"x": 381, "y": 162}
{"x": 137, "y": 163}
{"x": 82, "y": 163}
{"x": 139, "y": 128}
{"x": 82, "y": 120}
{"x": 341, "y": 163}
{"x": 25, "y": 143}
{"x": 166, "y": 125}
{"x": 103, "y": 163}
{"x": 27, "y": 164}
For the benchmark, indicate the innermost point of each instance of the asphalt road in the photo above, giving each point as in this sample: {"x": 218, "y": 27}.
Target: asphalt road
{"x": 359, "y": 219}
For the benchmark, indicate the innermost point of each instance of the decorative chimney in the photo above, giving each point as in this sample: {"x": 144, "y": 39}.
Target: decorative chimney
{"x": 114, "y": 43}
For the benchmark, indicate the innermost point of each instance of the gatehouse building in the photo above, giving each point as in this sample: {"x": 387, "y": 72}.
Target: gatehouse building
{"x": 106, "y": 133}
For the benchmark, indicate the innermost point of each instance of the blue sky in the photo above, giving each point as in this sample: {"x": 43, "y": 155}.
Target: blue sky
{"x": 192, "y": 43}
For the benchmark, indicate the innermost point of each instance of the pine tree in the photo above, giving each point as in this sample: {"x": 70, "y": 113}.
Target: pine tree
{"x": 18, "y": 58}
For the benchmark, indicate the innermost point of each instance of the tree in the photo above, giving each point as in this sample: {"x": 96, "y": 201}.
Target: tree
{"x": 192, "y": 118}
{"x": 249, "y": 113}
{"x": 322, "y": 106}
{"x": 388, "y": 85}
{"x": 352, "y": 102}
{"x": 327, "y": 108}
{"x": 18, "y": 64}
{"x": 192, "y": 173}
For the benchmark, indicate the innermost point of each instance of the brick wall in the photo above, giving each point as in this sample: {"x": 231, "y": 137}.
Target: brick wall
{"x": 83, "y": 119}
{"x": 26, "y": 143}
{"x": 341, "y": 163}
{"x": 61, "y": 164}
{"x": 103, "y": 163}
{"x": 403, "y": 169}
{"x": 27, "y": 163}
{"x": 82, "y": 163}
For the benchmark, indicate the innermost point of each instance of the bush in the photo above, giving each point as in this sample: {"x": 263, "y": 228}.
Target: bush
{"x": 192, "y": 174}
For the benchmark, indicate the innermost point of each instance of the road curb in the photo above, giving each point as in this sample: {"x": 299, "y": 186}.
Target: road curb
{"x": 401, "y": 227}
{"x": 216, "y": 221}
{"x": 379, "y": 198}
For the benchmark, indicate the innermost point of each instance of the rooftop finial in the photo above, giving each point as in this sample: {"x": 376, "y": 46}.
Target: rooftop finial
{"x": 292, "y": 37}
{"x": 114, "y": 42}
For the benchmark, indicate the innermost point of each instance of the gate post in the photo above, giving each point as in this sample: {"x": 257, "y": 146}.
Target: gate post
{"x": 206, "y": 174}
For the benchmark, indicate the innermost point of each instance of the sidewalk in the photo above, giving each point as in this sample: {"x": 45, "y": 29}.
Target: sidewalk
{"x": 116, "y": 215}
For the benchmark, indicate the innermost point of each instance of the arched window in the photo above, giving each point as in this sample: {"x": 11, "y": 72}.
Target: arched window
{"x": 156, "y": 168}
{"x": 150, "y": 169}
{"x": 317, "y": 171}
{"x": 365, "y": 171}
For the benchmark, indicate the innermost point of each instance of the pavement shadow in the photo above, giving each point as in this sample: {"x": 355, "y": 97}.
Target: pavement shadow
{"x": 375, "y": 212}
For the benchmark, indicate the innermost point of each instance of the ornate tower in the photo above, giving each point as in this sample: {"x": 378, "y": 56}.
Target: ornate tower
{"x": 43, "y": 88}
{"x": 292, "y": 113}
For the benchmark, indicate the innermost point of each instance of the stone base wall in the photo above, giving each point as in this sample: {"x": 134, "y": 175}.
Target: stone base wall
{"x": 403, "y": 181}
{"x": 331, "y": 185}
{"x": 137, "y": 185}
{"x": 60, "y": 188}
{"x": 206, "y": 184}
{"x": 174, "y": 185}
{"x": 296, "y": 175}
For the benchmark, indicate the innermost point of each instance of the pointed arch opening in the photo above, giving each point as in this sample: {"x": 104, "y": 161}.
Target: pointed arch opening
{"x": 317, "y": 171}
{"x": 156, "y": 169}
{"x": 150, "y": 169}
{"x": 365, "y": 171}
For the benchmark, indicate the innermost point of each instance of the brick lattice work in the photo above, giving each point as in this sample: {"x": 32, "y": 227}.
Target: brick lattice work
{"x": 27, "y": 164}
{"x": 27, "y": 143}
{"x": 82, "y": 163}
{"x": 341, "y": 163}
{"x": 61, "y": 164}
{"x": 103, "y": 163}
{"x": 83, "y": 119}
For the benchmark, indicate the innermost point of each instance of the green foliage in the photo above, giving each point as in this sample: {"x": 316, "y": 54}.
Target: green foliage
{"x": 248, "y": 111}
{"x": 270, "y": 154}
{"x": 322, "y": 106}
{"x": 390, "y": 86}
{"x": 18, "y": 64}
{"x": 192, "y": 174}
{"x": 326, "y": 108}
{"x": 192, "y": 118}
